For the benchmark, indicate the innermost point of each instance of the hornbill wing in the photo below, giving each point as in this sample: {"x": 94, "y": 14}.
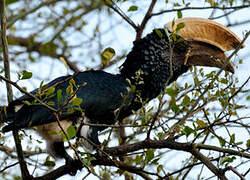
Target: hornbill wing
{"x": 101, "y": 93}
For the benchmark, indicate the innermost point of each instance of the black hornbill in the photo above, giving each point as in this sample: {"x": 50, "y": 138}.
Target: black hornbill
{"x": 107, "y": 98}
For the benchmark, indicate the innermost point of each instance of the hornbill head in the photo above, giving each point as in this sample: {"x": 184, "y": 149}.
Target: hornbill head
{"x": 208, "y": 39}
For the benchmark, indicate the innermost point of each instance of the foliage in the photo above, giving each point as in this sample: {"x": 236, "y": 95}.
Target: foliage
{"x": 203, "y": 123}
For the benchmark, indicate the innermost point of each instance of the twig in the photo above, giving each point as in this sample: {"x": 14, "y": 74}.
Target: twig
{"x": 223, "y": 15}
{"x": 218, "y": 172}
{"x": 187, "y": 167}
{"x": 198, "y": 8}
{"x": 236, "y": 172}
{"x": 37, "y": 46}
{"x": 9, "y": 151}
{"x": 27, "y": 93}
{"x": 238, "y": 23}
{"x": 113, "y": 6}
{"x": 156, "y": 116}
{"x": 7, "y": 167}
{"x": 23, "y": 15}
{"x": 180, "y": 122}
{"x": 145, "y": 20}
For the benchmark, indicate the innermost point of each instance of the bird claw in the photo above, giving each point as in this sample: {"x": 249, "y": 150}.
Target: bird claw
{"x": 74, "y": 165}
{"x": 100, "y": 150}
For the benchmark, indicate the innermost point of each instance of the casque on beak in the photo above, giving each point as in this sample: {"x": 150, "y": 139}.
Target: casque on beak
{"x": 209, "y": 40}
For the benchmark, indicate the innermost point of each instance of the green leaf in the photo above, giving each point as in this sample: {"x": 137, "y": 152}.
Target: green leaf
{"x": 159, "y": 33}
{"x": 69, "y": 90}
{"x": 63, "y": 136}
{"x": 11, "y": 1}
{"x": 167, "y": 33}
{"x": 27, "y": 103}
{"x": 71, "y": 132}
{"x": 149, "y": 155}
{"x": 185, "y": 101}
{"x": 70, "y": 110}
{"x": 77, "y": 101}
{"x": 227, "y": 160}
{"x": 138, "y": 159}
{"x": 107, "y": 55}
{"x": 51, "y": 103}
{"x": 248, "y": 143}
{"x": 175, "y": 108}
{"x": 49, "y": 48}
{"x": 50, "y": 91}
{"x": 105, "y": 175}
{"x": 172, "y": 92}
{"x": 239, "y": 143}
{"x": 222, "y": 141}
{"x": 72, "y": 82}
{"x": 109, "y": 2}
{"x": 239, "y": 106}
{"x": 159, "y": 168}
{"x": 176, "y": 5}
{"x": 132, "y": 8}
{"x": 179, "y": 14}
{"x": 188, "y": 130}
{"x": 49, "y": 163}
{"x": 24, "y": 75}
{"x": 201, "y": 123}
{"x": 231, "y": 2}
{"x": 41, "y": 85}
{"x": 87, "y": 161}
{"x": 224, "y": 81}
{"x": 232, "y": 139}
{"x": 59, "y": 95}
{"x": 179, "y": 27}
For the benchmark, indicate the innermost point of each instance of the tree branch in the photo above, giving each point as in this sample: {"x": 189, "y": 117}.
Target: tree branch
{"x": 198, "y": 8}
{"x": 236, "y": 172}
{"x": 167, "y": 143}
{"x": 218, "y": 172}
{"x": 145, "y": 20}
{"x": 23, "y": 165}
{"x": 42, "y": 49}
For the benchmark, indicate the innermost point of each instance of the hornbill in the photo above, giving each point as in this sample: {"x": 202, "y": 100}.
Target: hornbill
{"x": 107, "y": 98}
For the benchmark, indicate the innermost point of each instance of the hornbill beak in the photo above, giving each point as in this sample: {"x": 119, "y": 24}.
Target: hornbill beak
{"x": 203, "y": 54}
{"x": 208, "y": 39}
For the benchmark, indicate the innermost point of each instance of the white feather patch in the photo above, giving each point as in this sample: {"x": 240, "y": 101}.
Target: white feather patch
{"x": 18, "y": 107}
{"x": 51, "y": 133}
{"x": 85, "y": 131}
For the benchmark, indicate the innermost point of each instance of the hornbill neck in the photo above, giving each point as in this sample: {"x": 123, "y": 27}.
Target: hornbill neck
{"x": 148, "y": 64}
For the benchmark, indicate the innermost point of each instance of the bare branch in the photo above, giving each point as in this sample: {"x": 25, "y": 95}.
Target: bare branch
{"x": 23, "y": 165}
{"x": 113, "y": 6}
{"x": 199, "y": 8}
{"x": 145, "y": 20}
{"x": 23, "y": 15}
{"x": 236, "y": 172}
